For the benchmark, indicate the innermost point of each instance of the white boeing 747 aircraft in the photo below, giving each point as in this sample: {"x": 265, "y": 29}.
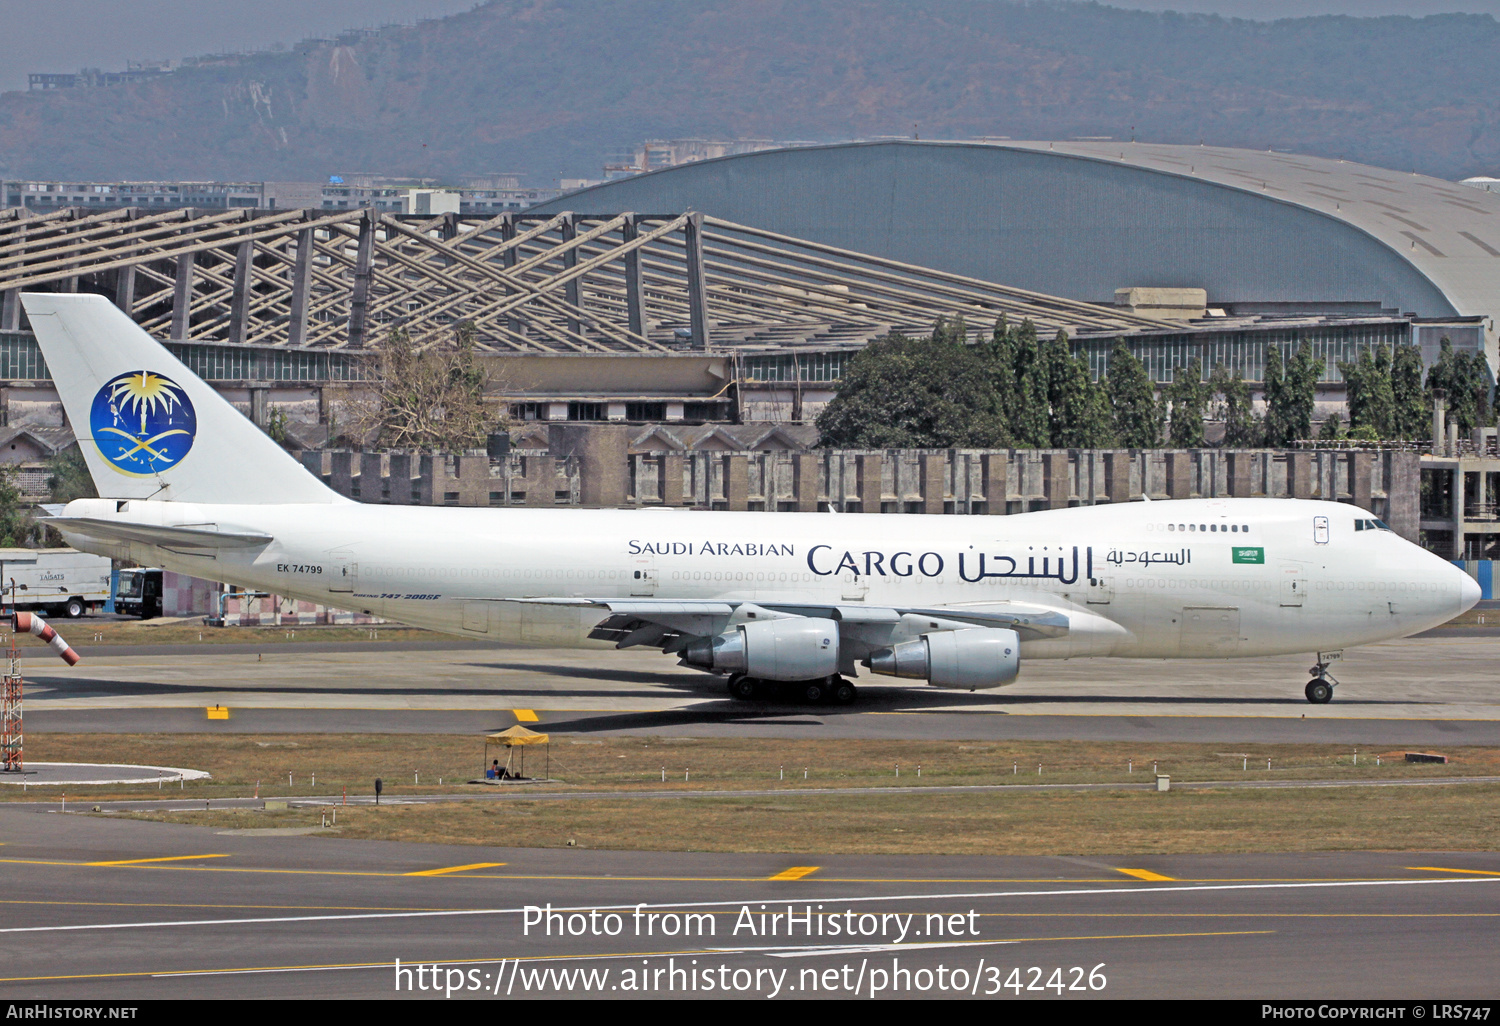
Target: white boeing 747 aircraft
{"x": 190, "y": 484}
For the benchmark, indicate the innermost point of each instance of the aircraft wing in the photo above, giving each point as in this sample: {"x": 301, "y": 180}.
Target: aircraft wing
{"x": 191, "y": 539}
{"x": 672, "y": 623}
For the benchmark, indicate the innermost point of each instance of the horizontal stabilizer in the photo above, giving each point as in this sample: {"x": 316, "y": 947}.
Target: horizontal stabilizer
{"x": 203, "y": 538}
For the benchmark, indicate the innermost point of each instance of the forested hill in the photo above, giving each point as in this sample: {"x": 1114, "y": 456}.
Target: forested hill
{"x": 548, "y": 87}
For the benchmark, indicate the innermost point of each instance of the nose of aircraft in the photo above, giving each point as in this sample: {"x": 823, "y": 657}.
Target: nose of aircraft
{"x": 1468, "y": 591}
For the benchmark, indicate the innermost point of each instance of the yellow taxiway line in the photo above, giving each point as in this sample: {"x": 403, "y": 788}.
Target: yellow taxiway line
{"x": 454, "y": 869}
{"x": 141, "y": 862}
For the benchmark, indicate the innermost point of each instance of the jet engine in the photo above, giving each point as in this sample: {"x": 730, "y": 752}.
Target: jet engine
{"x": 978, "y": 657}
{"x": 800, "y": 648}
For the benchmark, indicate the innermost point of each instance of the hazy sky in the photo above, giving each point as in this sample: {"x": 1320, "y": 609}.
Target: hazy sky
{"x": 65, "y": 35}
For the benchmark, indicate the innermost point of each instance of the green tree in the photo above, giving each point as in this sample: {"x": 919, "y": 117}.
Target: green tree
{"x": 1466, "y": 378}
{"x": 999, "y": 358}
{"x": 900, "y": 392}
{"x": 1371, "y": 394}
{"x": 68, "y": 476}
{"x": 1030, "y": 422}
{"x": 17, "y": 528}
{"x": 1235, "y": 406}
{"x": 430, "y": 396}
{"x": 1080, "y": 410}
{"x": 1137, "y": 415}
{"x": 1189, "y": 397}
{"x": 1291, "y": 393}
{"x": 1413, "y": 414}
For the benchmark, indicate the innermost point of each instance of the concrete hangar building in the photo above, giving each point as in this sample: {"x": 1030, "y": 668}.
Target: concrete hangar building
{"x": 1283, "y": 247}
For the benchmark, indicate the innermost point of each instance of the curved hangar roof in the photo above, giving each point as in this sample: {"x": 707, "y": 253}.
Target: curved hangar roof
{"x": 1081, "y": 219}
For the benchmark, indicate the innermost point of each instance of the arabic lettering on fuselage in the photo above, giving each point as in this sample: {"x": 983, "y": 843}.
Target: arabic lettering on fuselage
{"x": 1119, "y": 557}
{"x": 1063, "y": 563}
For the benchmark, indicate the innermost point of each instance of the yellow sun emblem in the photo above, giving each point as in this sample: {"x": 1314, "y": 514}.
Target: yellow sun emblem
{"x": 144, "y": 393}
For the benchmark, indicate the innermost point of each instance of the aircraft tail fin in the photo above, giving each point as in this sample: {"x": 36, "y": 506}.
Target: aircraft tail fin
{"x": 150, "y": 428}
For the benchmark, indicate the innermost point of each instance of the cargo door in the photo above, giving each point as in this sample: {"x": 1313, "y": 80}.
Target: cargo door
{"x": 477, "y": 617}
{"x": 1210, "y": 630}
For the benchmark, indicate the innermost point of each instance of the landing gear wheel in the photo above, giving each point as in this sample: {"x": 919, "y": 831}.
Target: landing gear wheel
{"x": 1319, "y": 691}
{"x": 813, "y": 691}
{"x": 742, "y": 688}
{"x": 844, "y": 693}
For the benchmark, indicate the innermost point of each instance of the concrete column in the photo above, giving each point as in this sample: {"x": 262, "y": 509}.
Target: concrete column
{"x": 125, "y": 289}
{"x": 1299, "y": 474}
{"x": 932, "y": 466}
{"x": 10, "y": 310}
{"x": 182, "y": 298}
{"x": 572, "y": 292}
{"x": 1403, "y": 490}
{"x": 671, "y": 479}
{"x": 312, "y": 460}
{"x": 1179, "y": 475}
{"x": 804, "y": 482}
{"x": 429, "y": 491}
{"x": 341, "y": 473}
{"x": 1361, "y": 476}
{"x": 1117, "y": 476}
{"x": 697, "y": 289}
{"x": 508, "y": 261}
{"x": 996, "y": 469}
{"x": 1241, "y": 483}
{"x": 301, "y": 284}
{"x": 1055, "y": 479}
{"x": 401, "y": 479}
{"x": 635, "y": 309}
{"x": 868, "y": 476}
{"x": 372, "y": 483}
{"x": 737, "y": 482}
{"x": 474, "y": 480}
{"x": 239, "y": 299}
{"x": 364, "y": 267}
{"x": 541, "y": 480}
{"x": 602, "y": 453}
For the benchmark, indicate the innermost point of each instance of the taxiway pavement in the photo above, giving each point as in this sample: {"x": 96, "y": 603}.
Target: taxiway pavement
{"x": 105, "y": 907}
{"x": 1428, "y": 690}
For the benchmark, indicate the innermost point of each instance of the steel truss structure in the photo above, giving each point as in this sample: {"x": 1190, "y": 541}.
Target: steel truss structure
{"x": 565, "y": 283}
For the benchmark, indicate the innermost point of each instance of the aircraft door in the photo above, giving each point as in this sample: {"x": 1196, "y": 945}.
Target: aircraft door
{"x": 343, "y": 572}
{"x": 643, "y": 576}
{"x": 1101, "y": 591}
{"x": 1293, "y": 588}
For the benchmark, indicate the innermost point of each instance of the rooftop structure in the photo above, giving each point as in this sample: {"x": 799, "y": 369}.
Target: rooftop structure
{"x": 1260, "y": 232}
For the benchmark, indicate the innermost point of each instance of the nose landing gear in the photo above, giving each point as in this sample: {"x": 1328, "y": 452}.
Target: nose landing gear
{"x": 1319, "y": 690}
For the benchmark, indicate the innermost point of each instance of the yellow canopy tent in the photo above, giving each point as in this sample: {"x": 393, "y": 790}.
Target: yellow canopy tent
{"x": 511, "y": 739}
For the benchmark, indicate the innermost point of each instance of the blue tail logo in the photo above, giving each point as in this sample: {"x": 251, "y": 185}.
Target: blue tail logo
{"x": 143, "y": 423}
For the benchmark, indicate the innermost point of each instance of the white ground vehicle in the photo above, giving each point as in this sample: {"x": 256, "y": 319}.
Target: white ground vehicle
{"x": 55, "y": 581}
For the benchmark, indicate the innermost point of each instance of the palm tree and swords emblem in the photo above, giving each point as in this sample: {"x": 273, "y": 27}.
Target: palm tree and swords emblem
{"x": 143, "y": 420}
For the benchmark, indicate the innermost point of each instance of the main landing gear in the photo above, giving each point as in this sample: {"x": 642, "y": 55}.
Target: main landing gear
{"x": 835, "y": 689}
{"x": 1319, "y": 690}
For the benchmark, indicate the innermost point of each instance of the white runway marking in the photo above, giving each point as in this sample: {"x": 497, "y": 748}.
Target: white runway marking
{"x": 970, "y": 895}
